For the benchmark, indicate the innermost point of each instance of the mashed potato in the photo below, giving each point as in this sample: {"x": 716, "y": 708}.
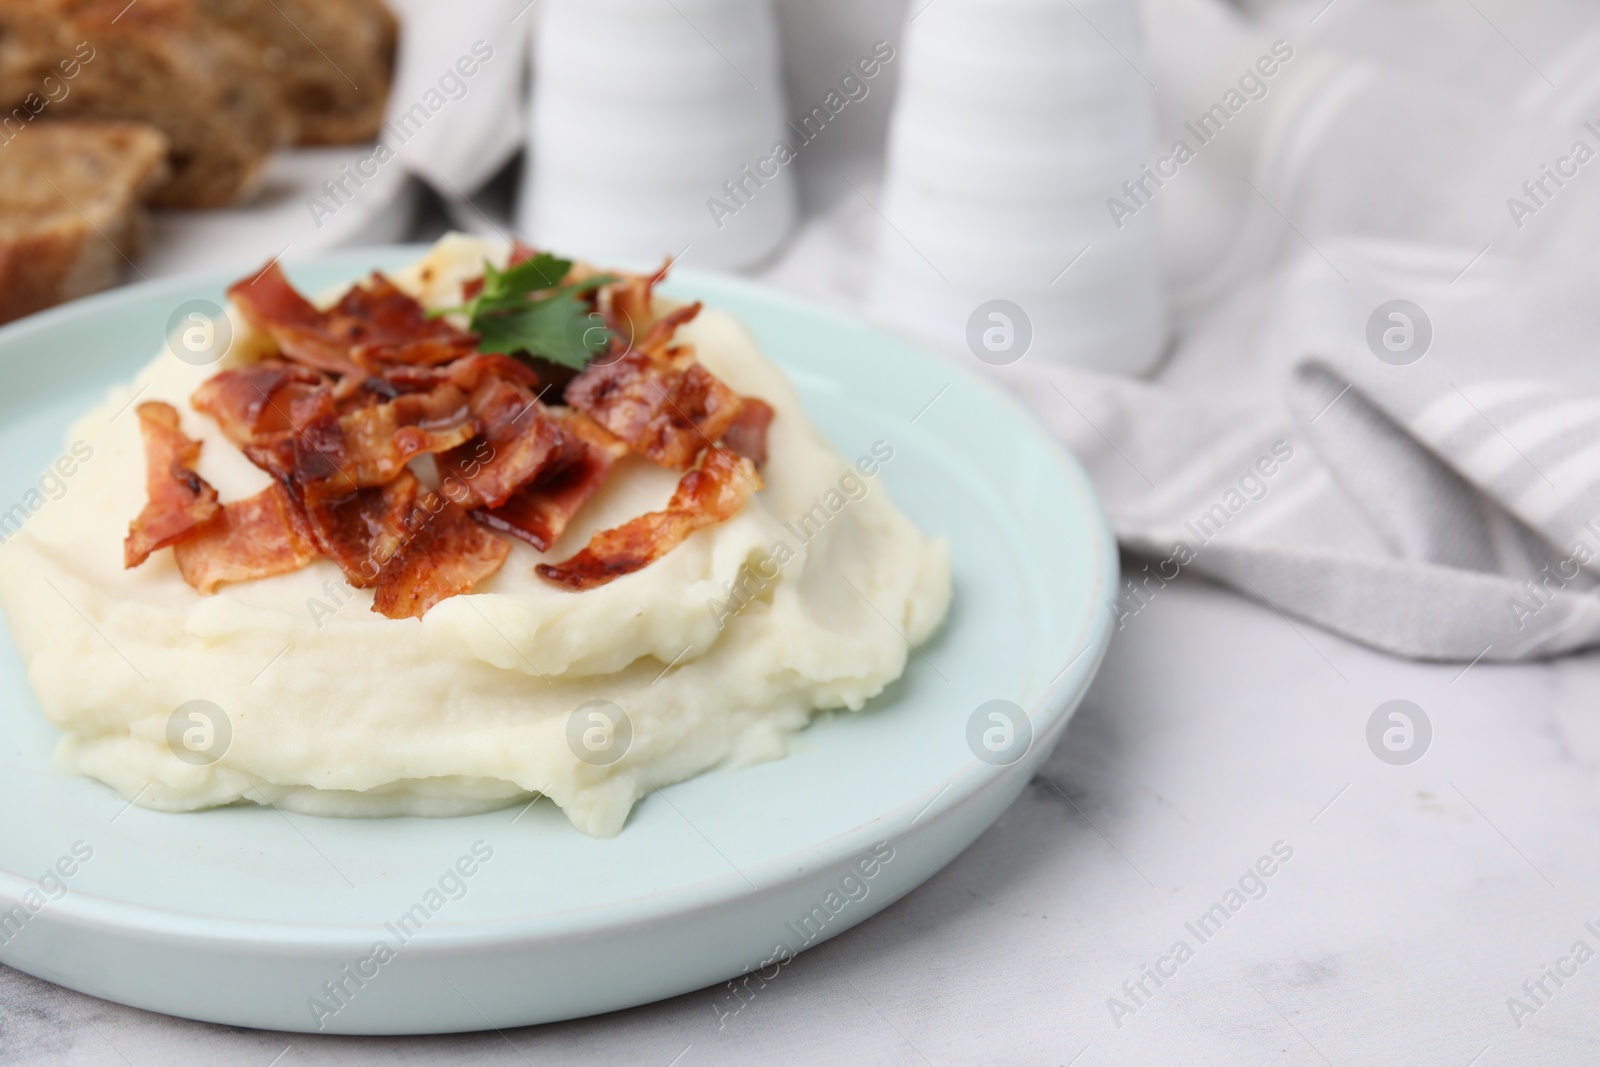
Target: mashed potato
{"x": 330, "y": 709}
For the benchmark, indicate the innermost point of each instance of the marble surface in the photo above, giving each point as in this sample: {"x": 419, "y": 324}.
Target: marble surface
{"x": 1417, "y": 900}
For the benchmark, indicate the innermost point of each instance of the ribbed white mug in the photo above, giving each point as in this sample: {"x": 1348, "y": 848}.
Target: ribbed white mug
{"x": 1017, "y": 122}
{"x": 653, "y": 123}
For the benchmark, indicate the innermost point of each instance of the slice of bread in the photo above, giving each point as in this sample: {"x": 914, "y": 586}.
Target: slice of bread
{"x": 162, "y": 62}
{"x": 332, "y": 60}
{"x": 71, "y": 217}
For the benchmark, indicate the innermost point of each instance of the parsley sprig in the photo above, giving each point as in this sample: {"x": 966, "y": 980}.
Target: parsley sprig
{"x": 526, "y": 309}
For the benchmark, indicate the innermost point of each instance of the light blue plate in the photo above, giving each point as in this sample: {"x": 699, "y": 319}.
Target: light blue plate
{"x": 249, "y": 916}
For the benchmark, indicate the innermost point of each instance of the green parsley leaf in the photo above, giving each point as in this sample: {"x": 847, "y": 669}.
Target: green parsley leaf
{"x": 506, "y": 288}
{"x": 526, "y": 309}
{"x": 560, "y": 328}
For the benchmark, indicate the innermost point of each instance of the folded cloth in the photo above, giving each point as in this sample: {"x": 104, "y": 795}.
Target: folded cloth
{"x": 1387, "y": 120}
{"x": 1423, "y": 477}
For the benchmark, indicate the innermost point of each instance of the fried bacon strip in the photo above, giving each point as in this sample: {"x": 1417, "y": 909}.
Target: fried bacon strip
{"x": 180, "y": 500}
{"x": 710, "y": 494}
{"x": 627, "y": 304}
{"x": 519, "y": 440}
{"x": 380, "y": 324}
{"x": 466, "y": 375}
{"x": 665, "y": 413}
{"x": 292, "y": 430}
{"x": 376, "y": 443}
{"x": 249, "y": 402}
{"x": 312, "y": 452}
{"x": 539, "y": 511}
{"x": 273, "y": 306}
{"x": 254, "y": 538}
{"x": 413, "y": 549}
{"x": 747, "y": 434}
{"x": 656, "y": 342}
{"x": 362, "y": 531}
{"x": 448, "y": 554}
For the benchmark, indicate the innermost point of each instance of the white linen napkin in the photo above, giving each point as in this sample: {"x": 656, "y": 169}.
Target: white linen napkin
{"x": 1447, "y": 508}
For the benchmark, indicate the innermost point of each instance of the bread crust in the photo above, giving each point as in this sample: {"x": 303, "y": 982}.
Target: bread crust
{"x": 162, "y": 62}
{"x": 71, "y": 212}
{"x": 331, "y": 60}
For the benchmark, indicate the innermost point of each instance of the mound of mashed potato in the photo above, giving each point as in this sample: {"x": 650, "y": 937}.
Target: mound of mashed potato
{"x": 714, "y": 654}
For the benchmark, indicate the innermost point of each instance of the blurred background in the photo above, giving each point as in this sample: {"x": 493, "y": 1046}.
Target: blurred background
{"x": 989, "y": 147}
{"x": 986, "y": 150}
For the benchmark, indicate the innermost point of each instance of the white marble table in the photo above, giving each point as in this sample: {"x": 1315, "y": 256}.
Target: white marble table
{"x": 1418, "y": 898}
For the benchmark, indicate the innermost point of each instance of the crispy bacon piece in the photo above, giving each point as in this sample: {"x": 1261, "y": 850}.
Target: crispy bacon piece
{"x": 539, "y": 512}
{"x": 180, "y": 500}
{"x": 710, "y": 494}
{"x": 377, "y": 442}
{"x": 274, "y": 307}
{"x": 311, "y": 452}
{"x": 380, "y": 324}
{"x": 470, "y": 373}
{"x": 521, "y": 437}
{"x": 361, "y": 530}
{"x": 657, "y": 340}
{"x": 447, "y": 554}
{"x": 465, "y": 374}
{"x": 365, "y": 446}
{"x": 250, "y": 403}
{"x": 372, "y": 325}
{"x": 627, "y": 304}
{"x": 415, "y": 549}
{"x": 747, "y": 434}
{"x": 666, "y": 414}
{"x": 254, "y": 538}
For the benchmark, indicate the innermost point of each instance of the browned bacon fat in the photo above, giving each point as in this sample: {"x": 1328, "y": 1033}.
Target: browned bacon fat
{"x": 666, "y": 414}
{"x": 539, "y": 511}
{"x": 521, "y": 439}
{"x": 383, "y": 325}
{"x": 747, "y": 434}
{"x": 363, "y": 529}
{"x": 705, "y": 496}
{"x": 448, "y": 554}
{"x": 273, "y": 306}
{"x": 180, "y": 500}
{"x": 253, "y": 538}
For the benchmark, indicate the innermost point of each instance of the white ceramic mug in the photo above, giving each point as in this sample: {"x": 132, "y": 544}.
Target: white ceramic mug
{"x": 653, "y": 123}
{"x": 1017, "y": 122}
